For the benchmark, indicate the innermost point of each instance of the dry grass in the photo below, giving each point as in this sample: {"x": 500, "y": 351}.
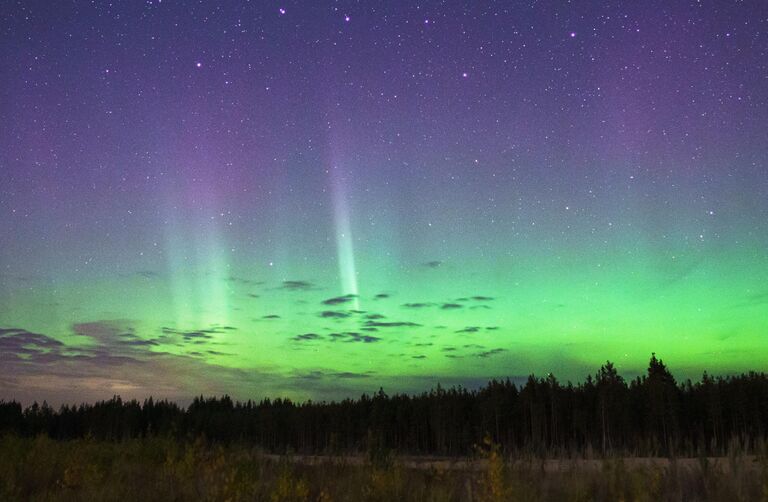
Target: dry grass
{"x": 160, "y": 469}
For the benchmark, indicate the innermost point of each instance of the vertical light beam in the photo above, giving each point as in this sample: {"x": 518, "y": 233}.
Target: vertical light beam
{"x": 344, "y": 244}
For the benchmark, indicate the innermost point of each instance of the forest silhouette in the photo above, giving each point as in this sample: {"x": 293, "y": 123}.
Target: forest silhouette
{"x": 651, "y": 415}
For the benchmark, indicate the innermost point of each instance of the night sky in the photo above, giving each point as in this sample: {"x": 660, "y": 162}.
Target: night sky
{"x": 316, "y": 199}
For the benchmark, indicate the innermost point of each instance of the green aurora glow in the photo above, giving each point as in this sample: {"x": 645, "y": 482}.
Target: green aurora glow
{"x": 261, "y": 215}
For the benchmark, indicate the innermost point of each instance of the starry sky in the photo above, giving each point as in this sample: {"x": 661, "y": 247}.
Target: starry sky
{"x": 315, "y": 199}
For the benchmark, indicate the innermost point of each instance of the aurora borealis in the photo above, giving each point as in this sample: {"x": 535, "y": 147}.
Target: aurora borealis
{"x": 315, "y": 199}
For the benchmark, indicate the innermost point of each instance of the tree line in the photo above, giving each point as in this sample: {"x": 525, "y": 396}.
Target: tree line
{"x": 605, "y": 414}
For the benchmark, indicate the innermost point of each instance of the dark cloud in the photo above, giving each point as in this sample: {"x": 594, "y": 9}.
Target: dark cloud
{"x": 357, "y": 337}
{"x": 35, "y": 366}
{"x": 338, "y": 300}
{"x": 349, "y": 374}
{"x": 334, "y": 314}
{"x": 21, "y": 345}
{"x": 420, "y": 356}
{"x": 346, "y": 336}
{"x": 417, "y": 305}
{"x": 102, "y": 331}
{"x": 244, "y": 280}
{"x": 353, "y": 336}
{"x": 141, "y": 343}
{"x": 297, "y": 285}
{"x": 469, "y": 329}
{"x": 394, "y": 324}
{"x": 70, "y": 373}
{"x": 270, "y": 316}
{"x": 190, "y": 335}
{"x": 381, "y": 296}
{"x": 448, "y": 349}
{"x": 310, "y": 375}
{"x": 476, "y": 298}
{"x": 195, "y": 336}
{"x": 16, "y": 337}
{"x": 451, "y": 306}
{"x": 484, "y": 307}
{"x": 491, "y": 328}
{"x": 254, "y": 295}
{"x": 433, "y": 264}
{"x": 316, "y": 375}
{"x": 306, "y": 337}
{"x": 489, "y": 353}
{"x": 113, "y": 346}
{"x": 375, "y": 316}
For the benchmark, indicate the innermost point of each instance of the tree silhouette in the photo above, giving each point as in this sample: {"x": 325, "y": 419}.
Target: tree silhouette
{"x": 610, "y": 391}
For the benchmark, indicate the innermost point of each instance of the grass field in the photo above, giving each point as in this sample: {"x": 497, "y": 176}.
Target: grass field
{"x": 165, "y": 469}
